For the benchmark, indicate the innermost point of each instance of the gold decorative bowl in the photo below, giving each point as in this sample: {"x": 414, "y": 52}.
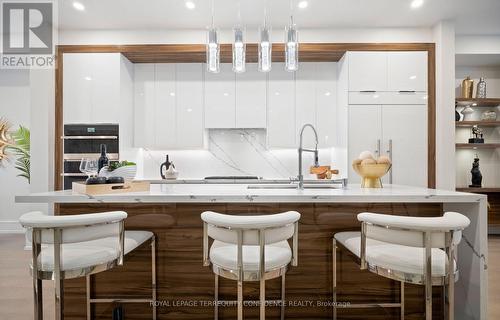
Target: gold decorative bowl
{"x": 371, "y": 174}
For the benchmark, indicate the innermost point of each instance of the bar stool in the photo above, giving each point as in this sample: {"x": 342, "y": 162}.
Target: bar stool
{"x": 406, "y": 249}
{"x": 250, "y": 248}
{"x": 67, "y": 247}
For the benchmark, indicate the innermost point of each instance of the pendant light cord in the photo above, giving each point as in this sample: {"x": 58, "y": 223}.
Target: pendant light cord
{"x": 213, "y": 14}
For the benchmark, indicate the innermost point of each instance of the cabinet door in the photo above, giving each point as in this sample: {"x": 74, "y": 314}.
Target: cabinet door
{"x": 365, "y": 133}
{"x": 305, "y": 102}
{"x": 105, "y": 87}
{"x": 407, "y": 71}
{"x": 326, "y": 110}
{"x": 367, "y": 71}
{"x": 189, "y": 105}
{"x": 165, "y": 117}
{"x": 77, "y": 88}
{"x": 144, "y": 105}
{"x": 281, "y": 108}
{"x": 251, "y": 98}
{"x": 406, "y": 126}
{"x": 220, "y": 98}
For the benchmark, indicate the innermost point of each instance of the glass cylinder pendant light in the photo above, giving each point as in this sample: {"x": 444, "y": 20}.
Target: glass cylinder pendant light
{"x": 213, "y": 48}
{"x": 239, "y": 50}
{"x": 265, "y": 46}
{"x": 291, "y": 47}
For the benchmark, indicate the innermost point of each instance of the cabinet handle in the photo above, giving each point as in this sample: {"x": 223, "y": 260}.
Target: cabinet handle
{"x": 407, "y": 91}
{"x": 368, "y": 91}
{"x": 377, "y": 151}
{"x": 389, "y": 152}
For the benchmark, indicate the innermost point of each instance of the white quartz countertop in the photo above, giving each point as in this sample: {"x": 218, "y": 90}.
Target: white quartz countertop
{"x": 239, "y": 193}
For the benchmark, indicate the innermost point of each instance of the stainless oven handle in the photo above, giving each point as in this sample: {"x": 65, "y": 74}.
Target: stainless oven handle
{"x": 89, "y": 137}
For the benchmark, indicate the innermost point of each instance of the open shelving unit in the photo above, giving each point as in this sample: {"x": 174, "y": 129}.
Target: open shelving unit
{"x": 483, "y": 123}
{"x": 487, "y": 102}
{"x": 477, "y": 145}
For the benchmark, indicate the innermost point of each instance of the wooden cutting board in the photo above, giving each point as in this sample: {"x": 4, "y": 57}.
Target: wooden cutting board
{"x": 111, "y": 188}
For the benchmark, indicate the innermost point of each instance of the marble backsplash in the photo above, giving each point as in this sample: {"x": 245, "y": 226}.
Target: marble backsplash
{"x": 228, "y": 152}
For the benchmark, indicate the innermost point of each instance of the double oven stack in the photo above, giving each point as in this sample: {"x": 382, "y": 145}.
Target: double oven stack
{"x": 83, "y": 141}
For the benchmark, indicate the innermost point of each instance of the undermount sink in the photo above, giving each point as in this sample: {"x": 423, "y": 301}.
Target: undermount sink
{"x": 294, "y": 186}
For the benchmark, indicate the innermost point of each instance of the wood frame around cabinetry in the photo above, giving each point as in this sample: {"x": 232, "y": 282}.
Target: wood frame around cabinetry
{"x": 195, "y": 53}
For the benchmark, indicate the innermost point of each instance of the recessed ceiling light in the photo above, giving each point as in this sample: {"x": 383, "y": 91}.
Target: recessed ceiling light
{"x": 413, "y": 77}
{"x": 190, "y": 5}
{"x": 78, "y": 6}
{"x": 172, "y": 94}
{"x": 416, "y": 4}
{"x": 327, "y": 94}
{"x": 303, "y": 4}
{"x": 88, "y": 78}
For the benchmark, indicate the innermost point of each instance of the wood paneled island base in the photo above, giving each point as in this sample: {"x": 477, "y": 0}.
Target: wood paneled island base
{"x": 186, "y": 288}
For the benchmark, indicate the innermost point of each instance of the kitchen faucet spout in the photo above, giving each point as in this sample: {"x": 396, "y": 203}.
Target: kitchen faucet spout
{"x": 301, "y": 150}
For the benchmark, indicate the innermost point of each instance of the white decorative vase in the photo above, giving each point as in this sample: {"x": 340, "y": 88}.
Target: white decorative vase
{"x": 127, "y": 172}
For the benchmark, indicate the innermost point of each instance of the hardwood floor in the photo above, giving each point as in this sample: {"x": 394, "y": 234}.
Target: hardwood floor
{"x": 16, "y": 302}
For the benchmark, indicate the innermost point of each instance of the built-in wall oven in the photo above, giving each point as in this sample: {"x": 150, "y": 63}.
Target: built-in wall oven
{"x": 83, "y": 141}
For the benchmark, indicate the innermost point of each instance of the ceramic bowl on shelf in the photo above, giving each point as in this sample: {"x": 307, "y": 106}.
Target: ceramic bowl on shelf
{"x": 127, "y": 172}
{"x": 371, "y": 173}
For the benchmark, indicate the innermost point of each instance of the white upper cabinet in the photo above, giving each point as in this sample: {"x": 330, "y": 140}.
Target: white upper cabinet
{"x": 326, "y": 103}
{"x": 220, "y": 98}
{"x": 91, "y": 87}
{"x": 165, "y": 107}
{"x": 251, "y": 92}
{"x": 407, "y": 71}
{"x": 305, "y": 102}
{"x": 367, "y": 71}
{"x": 168, "y": 106}
{"x": 144, "y": 105}
{"x": 281, "y": 131}
{"x": 189, "y": 111}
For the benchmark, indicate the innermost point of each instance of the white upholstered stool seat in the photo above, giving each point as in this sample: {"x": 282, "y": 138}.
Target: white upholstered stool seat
{"x": 395, "y": 257}
{"x": 86, "y": 254}
{"x": 225, "y": 255}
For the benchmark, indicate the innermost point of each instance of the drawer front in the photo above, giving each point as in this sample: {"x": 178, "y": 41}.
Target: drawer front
{"x": 377, "y": 97}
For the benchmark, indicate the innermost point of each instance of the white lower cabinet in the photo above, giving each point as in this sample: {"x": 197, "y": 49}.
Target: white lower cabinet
{"x": 168, "y": 106}
{"x": 399, "y": 131}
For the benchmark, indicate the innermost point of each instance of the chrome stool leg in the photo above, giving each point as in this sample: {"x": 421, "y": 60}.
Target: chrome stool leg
{"x": 89, "y": 310}
{"x": 262, "y": 296}
{"x": 428, "y": 276}
{"x": 216, "y": 298}
{"x": 334, "y": 278}
{"x": 37, "y": 283}
{"x": 153, "y": 274}
{"x": 282, "y": 314}
{"x": 402, "y": 300}
{"x": 240, "y": 299}
{"x": 59, "y": 286}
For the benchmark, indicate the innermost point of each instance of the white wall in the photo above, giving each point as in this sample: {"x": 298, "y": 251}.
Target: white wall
{"x": 15, "y": 107}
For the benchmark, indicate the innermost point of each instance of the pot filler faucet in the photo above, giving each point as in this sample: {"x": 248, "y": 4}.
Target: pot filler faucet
{"x": 301, "y": 150}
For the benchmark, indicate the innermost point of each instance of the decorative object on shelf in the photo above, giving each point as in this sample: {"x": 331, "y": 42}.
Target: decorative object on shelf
{"x": 213, "y": 47}
{"x": 458, "y": 116}
{"x": 20, "y": 148}
{"x": 489, "y": 115}
{"x": 477, "y": 177}
{"x": 5, "y": 138}
{"x": 239, "y": 46}
{"x": 477, "y": 135}
{"x": 265, "y": 46}
{"x": 164, "y": 167}
{"x": 171, "y": 173}
{"x": 481, "y": 89}
{"x": 125, "y": 169}
{"x": 467, "y": 88}
{"x": 371, "y": 170}
{"x": 467, "y": 113}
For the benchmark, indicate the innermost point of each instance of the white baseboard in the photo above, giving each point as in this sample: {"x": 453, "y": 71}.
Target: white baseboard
{"x": 11, "y": 227}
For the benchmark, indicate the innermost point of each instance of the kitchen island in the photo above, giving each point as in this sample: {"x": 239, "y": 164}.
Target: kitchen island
{"x": 185, "y": 287}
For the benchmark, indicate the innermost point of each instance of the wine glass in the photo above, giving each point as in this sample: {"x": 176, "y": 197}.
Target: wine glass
{"x": 91, "y": 166}
{"x": 83, "y": 166}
